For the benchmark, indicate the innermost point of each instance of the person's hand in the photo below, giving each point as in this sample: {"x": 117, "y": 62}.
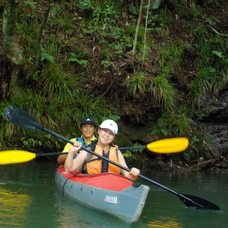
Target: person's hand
{"x": 75, "y": 148}
{"x": 134, "y": 172}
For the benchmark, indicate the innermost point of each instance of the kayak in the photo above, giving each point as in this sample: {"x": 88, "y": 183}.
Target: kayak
{"x": 108, "y": 192}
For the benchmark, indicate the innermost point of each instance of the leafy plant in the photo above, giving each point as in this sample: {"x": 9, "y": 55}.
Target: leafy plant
{"x": 163, "y": 92}
{"x": 173, "y": 124}
{"x": 106, "y": 64}
{"x": 137, "y": 83}
{"x": 78, "y": 58}
{"x": 47, "y": 57}
{"x": 170, "y": 57}
{"x": 30, "y": 141}
{"x": 130, "y": 153}
{"x": 200, "y": 85}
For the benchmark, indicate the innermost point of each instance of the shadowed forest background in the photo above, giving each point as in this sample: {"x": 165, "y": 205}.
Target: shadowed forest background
{"x": 159, "y": 68}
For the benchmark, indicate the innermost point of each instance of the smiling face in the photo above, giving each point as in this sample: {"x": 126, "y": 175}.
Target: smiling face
{"x": 88, "y": 130}
{"x": 106, "y": 136}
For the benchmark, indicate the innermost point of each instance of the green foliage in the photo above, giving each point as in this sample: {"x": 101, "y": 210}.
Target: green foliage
{"x": 54, "y": 83}
{"x": 208, "y": 47}
{"x": 31, "y": 3}
{"x": 85, "y": 105}
{"x": 170, "y": 124}
{"x": 85, "y": 5}
{"x": 66, "y": 23}
{"x": 38, "y": 106}
{"x": 130, "y": 154}
{"x": 47, "y": 57}
{"x": 106, "y": 64}
{"x": 106, "y": 13}
{"x": 79, "y": 59}
{"x": 163, "y": 93}
{"x": 159, "y": 20}
{"x": 215, "y": 3}
{"x": 204, "y": 59}
{"x": 170, "y": 57}
{"x": 202, "y": 146}
{"x": 190, "y": 155}
{"x": 201, "y": 85}
{"x": 30, "y": 142}
{"x": 159, "y": 88}
{"x": 137, "y": 83}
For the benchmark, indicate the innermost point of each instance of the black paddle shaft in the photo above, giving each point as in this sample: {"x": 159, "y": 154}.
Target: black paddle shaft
{"x": 22, "y": 119}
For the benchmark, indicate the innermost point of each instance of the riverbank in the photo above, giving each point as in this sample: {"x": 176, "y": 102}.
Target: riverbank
{"x": 217, "y": 165}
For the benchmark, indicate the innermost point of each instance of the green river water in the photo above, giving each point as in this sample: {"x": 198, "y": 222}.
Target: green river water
{"x": 29, "y": 198}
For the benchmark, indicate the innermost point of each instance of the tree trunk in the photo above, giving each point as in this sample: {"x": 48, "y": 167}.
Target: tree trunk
{"x": 11, "y": 46}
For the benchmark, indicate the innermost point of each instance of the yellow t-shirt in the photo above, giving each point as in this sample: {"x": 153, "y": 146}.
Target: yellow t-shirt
{"x": 67, "y": 146}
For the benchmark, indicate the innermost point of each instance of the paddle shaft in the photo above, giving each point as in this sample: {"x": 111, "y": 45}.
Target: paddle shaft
{"x": 183, "y": 197}
{"x": 133, "y": 148}
{"x": 121, "y": 148}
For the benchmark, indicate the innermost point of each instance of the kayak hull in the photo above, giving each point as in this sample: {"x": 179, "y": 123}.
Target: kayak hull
{"x": 107, "y": 192}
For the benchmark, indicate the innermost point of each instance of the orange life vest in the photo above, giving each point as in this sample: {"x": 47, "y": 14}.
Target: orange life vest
{"x": 95, "y": 165}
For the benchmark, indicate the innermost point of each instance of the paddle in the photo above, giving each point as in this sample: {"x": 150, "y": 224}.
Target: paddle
{"x": 24, "y": 120}
{"x": 171, "y": 145}
{"x": 18, "y": 156}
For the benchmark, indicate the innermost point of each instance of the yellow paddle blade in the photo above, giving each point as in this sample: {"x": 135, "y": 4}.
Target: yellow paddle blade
{"x": 172, "y": 145}
{"x": 15, "y": 156}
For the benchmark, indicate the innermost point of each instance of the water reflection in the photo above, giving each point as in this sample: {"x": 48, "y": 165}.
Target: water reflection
{"x": 16, "y": 203}
{"x": 168, "y": 224}
{"x": 72, "y": 214}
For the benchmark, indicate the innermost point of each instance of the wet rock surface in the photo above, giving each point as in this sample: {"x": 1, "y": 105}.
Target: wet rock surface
{"x": 217, "y": 126}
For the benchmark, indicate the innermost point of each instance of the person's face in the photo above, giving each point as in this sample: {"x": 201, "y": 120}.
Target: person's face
{"x": 88, "y": 130}
{"x": 106, "y": 136}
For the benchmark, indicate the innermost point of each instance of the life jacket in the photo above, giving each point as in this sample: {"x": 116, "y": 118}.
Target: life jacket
{"x": 97, "y": 165}
{"x": 81, "y": 140}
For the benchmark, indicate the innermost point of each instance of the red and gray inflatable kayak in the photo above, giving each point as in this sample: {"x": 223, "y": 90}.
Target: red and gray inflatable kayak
{"x": 107, "y": 192}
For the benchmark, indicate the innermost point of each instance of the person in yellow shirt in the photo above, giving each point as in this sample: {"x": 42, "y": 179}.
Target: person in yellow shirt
{"x": 88, "y": 128}
{"x": 94, "y": 165}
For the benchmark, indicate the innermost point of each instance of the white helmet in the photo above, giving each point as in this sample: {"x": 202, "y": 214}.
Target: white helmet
{"x": 111, "y": 125}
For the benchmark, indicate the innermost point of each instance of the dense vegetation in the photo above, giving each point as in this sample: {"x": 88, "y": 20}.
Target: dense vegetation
{"x": 149, "y": 63}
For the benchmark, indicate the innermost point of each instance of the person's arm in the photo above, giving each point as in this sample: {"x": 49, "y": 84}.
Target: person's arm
{"x": 61, "y": 158}
{"x": 133, "y": 174}
{"x": 72, "y": 163}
